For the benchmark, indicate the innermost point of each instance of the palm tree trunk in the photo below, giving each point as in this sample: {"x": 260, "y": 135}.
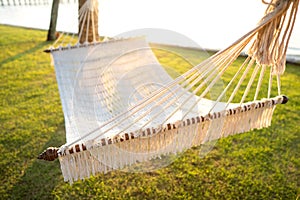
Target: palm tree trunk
{"x": 52, "y": 28}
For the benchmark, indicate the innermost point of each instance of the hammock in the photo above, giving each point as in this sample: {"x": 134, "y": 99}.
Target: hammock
{"x": 121, "y": 107}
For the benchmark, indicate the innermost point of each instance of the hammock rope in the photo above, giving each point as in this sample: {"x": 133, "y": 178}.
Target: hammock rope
{"x": 105, "y": 132}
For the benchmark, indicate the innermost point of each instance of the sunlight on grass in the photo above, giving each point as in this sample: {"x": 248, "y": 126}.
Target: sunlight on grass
{"x": 261, "y": 164}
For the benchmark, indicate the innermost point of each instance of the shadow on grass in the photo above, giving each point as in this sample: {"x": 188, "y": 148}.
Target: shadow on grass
{"x": 41, "y": 177}
{"x": 40, "y": 46}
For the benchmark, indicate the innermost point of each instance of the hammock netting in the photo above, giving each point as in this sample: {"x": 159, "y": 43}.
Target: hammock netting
{"x": 121, "y": 107}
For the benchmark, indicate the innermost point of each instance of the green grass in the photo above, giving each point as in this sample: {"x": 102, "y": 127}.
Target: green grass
{"x": 262, "y": 164}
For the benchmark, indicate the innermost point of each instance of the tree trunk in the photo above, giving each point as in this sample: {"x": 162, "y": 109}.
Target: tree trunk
{"x": 52, "y": 28}
{"x": 88, "y": 29}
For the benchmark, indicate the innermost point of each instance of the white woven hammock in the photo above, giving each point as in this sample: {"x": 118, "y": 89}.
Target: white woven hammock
{"x": 121, "y": 107}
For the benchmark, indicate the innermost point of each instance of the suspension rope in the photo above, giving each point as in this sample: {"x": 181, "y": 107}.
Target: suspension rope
{"x": 261, "y": 76}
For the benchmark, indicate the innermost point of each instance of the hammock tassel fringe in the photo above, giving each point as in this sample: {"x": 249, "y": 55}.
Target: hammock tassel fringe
{"x": 80, "y": 162}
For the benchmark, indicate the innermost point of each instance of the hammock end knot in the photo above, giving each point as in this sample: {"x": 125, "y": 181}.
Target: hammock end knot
{"x": 285, "y": 99}
{"x": 50, "y": 154}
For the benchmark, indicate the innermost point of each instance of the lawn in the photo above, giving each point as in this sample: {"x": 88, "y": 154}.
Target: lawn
{"x": 261, "y": 164}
